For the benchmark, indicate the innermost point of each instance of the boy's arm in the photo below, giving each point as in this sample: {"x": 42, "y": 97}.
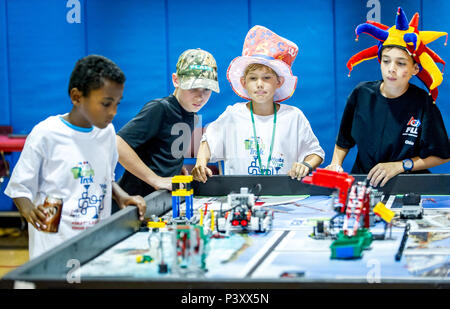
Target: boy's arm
{"x": 313, "y": 160}
{"x": 301, "y": 169}
{"x": 200, "y": 171}
{"x": 34, "y": 215}
{"x": 123, "y": 199}
{"x": 132, "y": 163}
{"x": 382, "y": 172}
{"x": 339, "y": 155}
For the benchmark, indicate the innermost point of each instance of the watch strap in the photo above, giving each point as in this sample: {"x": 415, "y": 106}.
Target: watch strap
{"x": 308, "y": 166}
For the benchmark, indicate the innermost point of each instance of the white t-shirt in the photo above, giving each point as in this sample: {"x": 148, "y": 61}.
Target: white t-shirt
{"x": 231, "y": 139}
{"x": 72, "y": 163}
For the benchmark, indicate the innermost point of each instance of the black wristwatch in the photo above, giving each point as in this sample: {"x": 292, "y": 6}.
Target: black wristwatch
{"x": 408, "y": 165}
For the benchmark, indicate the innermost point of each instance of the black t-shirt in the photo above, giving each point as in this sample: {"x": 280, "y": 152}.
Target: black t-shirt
{"x": 160, "y": 134}
{"x": 388, "y": 130}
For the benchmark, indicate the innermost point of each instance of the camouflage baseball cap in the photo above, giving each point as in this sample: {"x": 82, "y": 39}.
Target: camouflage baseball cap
{"x": 197, "y": 68}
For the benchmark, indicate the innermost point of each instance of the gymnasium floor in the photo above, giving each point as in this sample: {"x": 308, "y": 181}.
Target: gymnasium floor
{"x": 13, "y": 247}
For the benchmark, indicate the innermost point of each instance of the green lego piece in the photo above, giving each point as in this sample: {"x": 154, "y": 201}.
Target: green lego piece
{"x": 143, "y": 259}
{"x": 345, "y": 247}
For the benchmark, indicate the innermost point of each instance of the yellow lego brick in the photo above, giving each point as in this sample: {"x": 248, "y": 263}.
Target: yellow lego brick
{"x": 152, "y": 224}
{"x": 385, "y": 213}
{"x": 212, "y": 220}
{"x": 182, "y": 179}
{"x": 201, "y": 217}
{"x": 182, "y": 192}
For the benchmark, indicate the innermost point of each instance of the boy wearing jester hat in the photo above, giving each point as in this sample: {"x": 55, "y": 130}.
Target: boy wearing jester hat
{"x": 396, "y": 125}
{"x": 261, "y": 136}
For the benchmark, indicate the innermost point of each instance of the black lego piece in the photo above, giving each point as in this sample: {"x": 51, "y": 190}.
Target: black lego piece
{"x": 399, "y": 254}
{"x": 411, "y": 199}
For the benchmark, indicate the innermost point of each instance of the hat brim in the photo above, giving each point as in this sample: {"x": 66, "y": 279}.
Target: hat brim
{"x": 239, "y": 64}
{"x": 192, "y": 82}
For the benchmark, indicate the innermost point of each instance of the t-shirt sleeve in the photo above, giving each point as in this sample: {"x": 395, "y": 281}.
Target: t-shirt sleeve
{"x": 24, "y": 180}
{"x": 115, "y": 153}
{"x": 344, "y": 138}
{"x": 309, "y": 143}
{"x": 145, "y": 125}
{"x": 215, "y": 136}
{"x": 434, "y": 139}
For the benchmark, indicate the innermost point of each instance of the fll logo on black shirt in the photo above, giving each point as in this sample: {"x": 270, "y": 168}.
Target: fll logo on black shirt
{"x": 412, "y": 129}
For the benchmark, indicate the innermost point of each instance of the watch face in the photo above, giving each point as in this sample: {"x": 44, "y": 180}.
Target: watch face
{"x": 407, "y": 164}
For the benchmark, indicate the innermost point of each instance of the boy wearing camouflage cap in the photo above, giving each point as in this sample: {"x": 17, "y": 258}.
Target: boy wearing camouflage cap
{"x": 146, "y": 143}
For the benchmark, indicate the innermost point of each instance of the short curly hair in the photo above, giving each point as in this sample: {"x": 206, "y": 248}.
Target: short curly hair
{"x": 91, "y": 71}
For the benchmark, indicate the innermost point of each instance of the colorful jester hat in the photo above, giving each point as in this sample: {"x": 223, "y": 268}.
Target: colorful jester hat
{"x": 408, "y": 37}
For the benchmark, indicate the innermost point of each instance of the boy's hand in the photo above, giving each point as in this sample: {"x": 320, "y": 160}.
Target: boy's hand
{"x": 335, "y": 168}
{"x": 382, "y": 172}
{"x": 35, "y": 216}
{"x": 135, "y": 200}
{"x": 201, "y": 173}
{"x": 298, "y": 170}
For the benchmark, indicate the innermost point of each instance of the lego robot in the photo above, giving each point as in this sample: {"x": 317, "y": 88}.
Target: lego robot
{"x": 243, "y": 216}
{"x": 412, "y": 207}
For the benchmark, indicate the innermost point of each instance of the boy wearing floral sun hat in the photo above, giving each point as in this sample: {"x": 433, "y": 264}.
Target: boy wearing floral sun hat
{"x": 261, "y": 136}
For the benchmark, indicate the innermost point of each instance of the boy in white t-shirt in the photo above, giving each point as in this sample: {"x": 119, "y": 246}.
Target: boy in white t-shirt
{"x": 262, "y": 136}
{"x": 73, "y": 157}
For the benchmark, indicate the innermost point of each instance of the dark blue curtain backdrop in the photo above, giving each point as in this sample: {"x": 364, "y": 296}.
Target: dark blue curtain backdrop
{"x": 40, "y": 41}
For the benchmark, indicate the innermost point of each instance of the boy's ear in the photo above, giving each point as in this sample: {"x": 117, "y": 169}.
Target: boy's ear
{"x": 243, "y": 82}
{"x": 416, "y": 69}
{"x": 280, "y": 81}
{"x": 75, "y": 96}
{"x": 175, "y": 80}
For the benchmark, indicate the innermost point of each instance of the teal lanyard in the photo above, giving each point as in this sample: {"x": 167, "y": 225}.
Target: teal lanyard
{"x": 256, "y": 139}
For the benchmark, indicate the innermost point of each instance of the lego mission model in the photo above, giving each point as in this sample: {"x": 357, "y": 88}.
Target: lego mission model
{"x": 181, "y": 243}
{"x": 356, "y": 208}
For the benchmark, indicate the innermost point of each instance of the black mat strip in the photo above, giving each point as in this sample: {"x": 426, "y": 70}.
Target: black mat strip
{"x": 268, "y": 252}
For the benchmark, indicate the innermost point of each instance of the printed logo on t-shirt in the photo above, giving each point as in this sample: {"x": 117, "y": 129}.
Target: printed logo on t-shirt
{"x": 276, "y": 162}
{"x": 414, "y": 122}
{"x": 84, "y": 172}
{"x": 412, "y": 128}
{"x": 90, "y": 205}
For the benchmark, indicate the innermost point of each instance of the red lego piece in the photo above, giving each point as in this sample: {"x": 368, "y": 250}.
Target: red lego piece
{"x": 334, "y": 180}
{"x": 358, "y": 204}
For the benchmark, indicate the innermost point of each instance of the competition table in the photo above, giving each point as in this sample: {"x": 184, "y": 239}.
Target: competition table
{"x": 260, "y": 263}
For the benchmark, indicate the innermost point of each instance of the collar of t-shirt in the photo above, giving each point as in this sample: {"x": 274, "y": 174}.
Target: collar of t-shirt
{"x": 377, "y": 87}
{"x": 173, "y": 100}
{"x": 76, "y": 131}
{"x": 76, "y": 128}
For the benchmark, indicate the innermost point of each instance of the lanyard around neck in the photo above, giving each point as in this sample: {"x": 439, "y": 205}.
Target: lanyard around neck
{"x": 256, "y": 139}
